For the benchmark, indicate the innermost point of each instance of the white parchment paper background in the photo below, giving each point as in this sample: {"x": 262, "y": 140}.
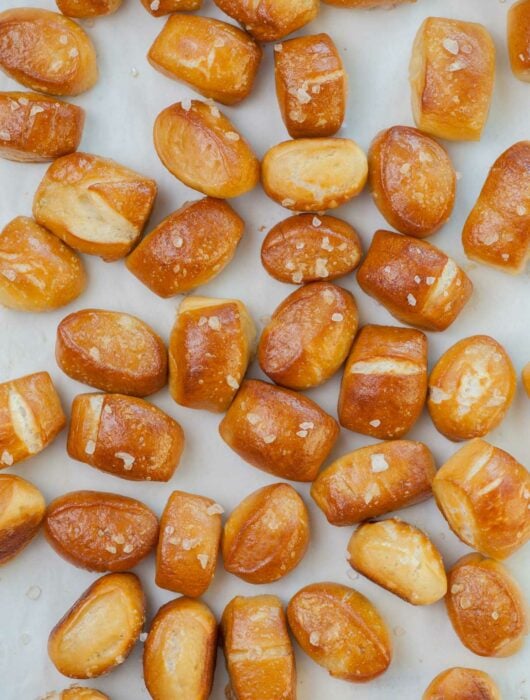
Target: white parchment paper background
{"x": 121, "y": 109}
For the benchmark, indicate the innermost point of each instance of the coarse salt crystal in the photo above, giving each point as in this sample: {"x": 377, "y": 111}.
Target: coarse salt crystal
{"x": 378, "y": 462}
{"x": 63, "y": 39}
{"x": 35, "y": 110}
{"x": 232, "y": 382}
{"x": 430, "y": 281}
{"x": 337, "y": 318}
{"x": 302, "y": 433}
{"x": 90, "y": 447}
{"x": 215, "y": 509}
{"x": 521, "y": 211}
{"x": 268, "y": 439}
{"x": 417, "y": 279}
{"x": 278, "y": 48}
{"x": 186, "y": 105}
{"x": 253, "y": 418}
{"x": 451, "y": 45}
{"x": 321, "y": 269}
{"x": 214, "y": 323}
{"x": 73, "y": 53}
{"x": 316, "y": 221}
{"x": 314, "y": 639}
{"x": 232, "y": 136}
{"x": 456, "y": 66}
{"x": 128, "y": 548}
{"x": 203, "y": 560}
{"x": 6, "y": 458}
{"x": 143, "y": 637}
{"x": 128, "y": 460}
{"x": 307, "y": 425}
{"x": 375, "y": 423}
{"x": 155, "y": 5}
{"x": 411, "y": 299}
{"x": 405, "y": 169}
{"x": 297, "y": 277}
{"x": 5, "y": 135}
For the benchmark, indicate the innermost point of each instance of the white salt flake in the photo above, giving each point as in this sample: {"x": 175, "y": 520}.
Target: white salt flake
{"x": 268, "y": 439}
{"x": 232, "y": 382}
{"x": 214, "y": 323}
{"x": 337, "y": 318}
{"x": 35, "y": 110}
{"x": 302, "y": 433}
{"x": 253, "y": 418}
{"x": 307, "y": 425}
{"x": 128, "y": 460}
{"x": 429, "y": 281}
{"x": 417, "y": 279}
{"x": 203, "y": 560}
{"x": 128, "y": 548}
{"x": 6, "y": 458}
{"x": 316, "y": 222}
{"x": 451, "y": 45}
{"x": 375, "y": 423}
{"x": 378, "y": 462}
{"x": 411, "y": 300}
{"x": 155, "y": 5}
{"x": 143, "y": 637}
{"x": 90, "y": 447}
{"x": 215, "y": 509}
{"x": 297, "y": 277}
{"x": 232, "y": 135}
{"x": 314, "y": 639}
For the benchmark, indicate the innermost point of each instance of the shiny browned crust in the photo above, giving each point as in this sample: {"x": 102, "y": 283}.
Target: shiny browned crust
{"x": 203, "y": 149}
{"x": 497, "y": 231}
{"x": 452, "y": 72}
{"x": 360, "y": 485}
{"x": 258, "y": 652}
{"x": 526, "y": 378}
{"x": 401, "y": 558}
{"x": 22, "y": 509}
{"x": 100, "y": 629}
{"x": 471, "y": 387}
{"x": 188, "y": 248}
{"x": 111, "y": 351}
{"x": 484, "y": 494}
{"x": 412, "y": 179}
{"x": 100, "y": 531}
{"x": 311, "y": 85}
{"x": 210, "y": 347}
{"x": 38, "y": 272}
{"x": 190, "y": 672}
{"x": 216, "y": 59}
{"x": 415, "y": 281}
{"x": 33, "y": 51}
{"x": 384, "y": 384}
{"x": 270, "y": 20}
{"x": 35, "y": 128}
{"x": 266, "y": 535}
{"x": 314, "y": 174}
{"x": 309, "y": 336}
{"x": 465, "y": 683}
{"x": 88, "y": 8}
{"x": 486, "y": 607}
{"x": 190, "y": 534}
{"x": 279, "y": 431}
{"x": 308, "y": 248}
{"x": 124, "y": 436}
{"x": 81, "y": 186}
{"x": 518, "y": 37}
{"x": 31, "y": 416}
{"x": 166, "y": 7}
{"x": 340, "y": 630}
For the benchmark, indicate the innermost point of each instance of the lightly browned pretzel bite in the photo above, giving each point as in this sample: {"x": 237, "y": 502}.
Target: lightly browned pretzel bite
{"x": 497, "y": 231}
{"x": 36, "y": 128}
{"x": 279, "y": 431}
{"x": 266, "y": 535}
{"x": 415, "y": 281}
{"x": 38, "y": 272}
{"x": 85, "y": 9}
{"x": 100, "y": 629}
{"x": 486, "y": 607}
{"x": 258, "y": 652}
{"x": 22, "y": 509}
{"x": 31, "y": 416}
{"x": 111, "y": 351}
{"x": 180, "y": 651}
{"x": 124, "y": 436}
{"x": 202, "y": 148}
{"x": 100, "y": 531}
{"x": 188, "y": 546}
{"x": 412, "y": 179}
{"x": 384, "y": 384}
{"x": 188, "y": 248}
{"x": 314, "y": 174}
{"x": 518, "y": 36}
{"x": 216, "y": 59}
{"x": 309, "y": 335}
{"x": 462, "y": 684}
{"x": 401, "y": 558}
{"x": 373, "y": 481}
{"x": 93, "y": 204}
{"x": 340, "y": 630}
{"x": 270, "y": 20}
{"x": 46, "y": 51}
{"x": 311, "y": 85}
{"x": 158, "y": 8}
{"x": 471, "y": 387}
{"x": 210, "y": 347}
{"x": 452, "y": 72}
{"x": 484, "y": 494}
{"x": 307, "y": 248}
